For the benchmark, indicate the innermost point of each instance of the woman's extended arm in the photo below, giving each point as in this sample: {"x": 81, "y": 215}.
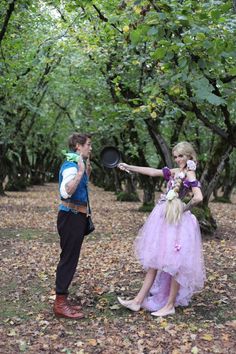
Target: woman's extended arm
{"x": 149, "y": 171}
{"x": 197, "y": 193}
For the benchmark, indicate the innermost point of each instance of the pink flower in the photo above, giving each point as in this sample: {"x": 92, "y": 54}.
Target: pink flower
{"x": 177, "y": 248}
{"x": 191, "y": 165}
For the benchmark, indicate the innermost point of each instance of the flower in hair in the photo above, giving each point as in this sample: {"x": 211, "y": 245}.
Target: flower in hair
{"x": 171, "y": 195}
{"x": 191, "y": 165}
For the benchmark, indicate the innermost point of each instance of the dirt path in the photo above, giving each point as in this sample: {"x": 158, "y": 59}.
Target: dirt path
{"x": 29, "y": 254}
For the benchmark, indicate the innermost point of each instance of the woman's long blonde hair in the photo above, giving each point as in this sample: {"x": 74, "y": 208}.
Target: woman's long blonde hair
{"x": 174, "y": 207}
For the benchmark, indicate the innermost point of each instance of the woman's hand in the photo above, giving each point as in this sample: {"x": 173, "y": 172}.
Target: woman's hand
{"x": 149, "y": 171}
{"x": 123, "y": 166}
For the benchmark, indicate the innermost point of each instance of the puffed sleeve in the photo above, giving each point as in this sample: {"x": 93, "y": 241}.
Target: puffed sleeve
{"x": 166, "y": 173}
{"x": 191, "y": 184}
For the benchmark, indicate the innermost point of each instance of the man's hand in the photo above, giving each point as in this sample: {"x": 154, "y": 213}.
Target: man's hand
{"x": 88, "y": 166}
{"x": 81, "y": 165}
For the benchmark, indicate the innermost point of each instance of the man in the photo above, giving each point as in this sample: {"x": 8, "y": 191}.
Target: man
{"x": 72, "y": 221}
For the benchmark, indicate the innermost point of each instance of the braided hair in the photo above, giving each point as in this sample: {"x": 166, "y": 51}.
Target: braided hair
{"x": 174, "y": 205}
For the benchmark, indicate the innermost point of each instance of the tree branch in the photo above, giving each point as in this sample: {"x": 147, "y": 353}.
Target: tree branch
{"x": 7, "y": 19}
{"x": 105, "y": 19}
{"x": 234, "y": 6}
{"x": 141, "y": 78}
{"x": 4, "y": 59}
{"x": 201, "y": 117}
{"x": 160, "y": 143}
{"x": 64, "y": 109}
{"x": 227, "y": 79}
{"x": 61, "y": 14}
{"x": 223, "y": 108}
{"x": 155, "y": 6}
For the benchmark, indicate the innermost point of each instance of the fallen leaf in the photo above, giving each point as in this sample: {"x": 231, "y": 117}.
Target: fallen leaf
{"x": 207, "y": 337}
{"x": 194, "y": 350}
{"x": 92, "y": 342}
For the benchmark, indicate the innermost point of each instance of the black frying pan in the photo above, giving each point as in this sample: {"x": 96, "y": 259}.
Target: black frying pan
{"x": 110, "y": 156}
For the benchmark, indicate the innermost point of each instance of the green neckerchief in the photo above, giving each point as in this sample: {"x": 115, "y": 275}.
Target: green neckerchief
{"x": 71, "y": 156}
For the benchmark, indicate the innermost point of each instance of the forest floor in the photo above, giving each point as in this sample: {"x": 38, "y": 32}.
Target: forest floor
{"x": 107, "y": 269}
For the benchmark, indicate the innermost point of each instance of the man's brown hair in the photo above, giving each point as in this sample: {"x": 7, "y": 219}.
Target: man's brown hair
{"x": 77, "y": 138}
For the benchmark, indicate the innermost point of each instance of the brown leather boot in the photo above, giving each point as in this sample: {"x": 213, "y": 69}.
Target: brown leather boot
{"x": 73, "y": 306}
{"x": 61, "y": 308}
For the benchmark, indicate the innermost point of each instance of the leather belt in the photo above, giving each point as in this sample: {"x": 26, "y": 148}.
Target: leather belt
{"x": 80, "y": 208}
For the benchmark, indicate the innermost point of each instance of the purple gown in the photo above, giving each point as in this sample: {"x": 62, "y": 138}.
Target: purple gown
{"x": 174, "y": 249}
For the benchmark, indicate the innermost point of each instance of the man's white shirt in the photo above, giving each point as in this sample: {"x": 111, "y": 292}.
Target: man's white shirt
{"x": 67, "y": 175}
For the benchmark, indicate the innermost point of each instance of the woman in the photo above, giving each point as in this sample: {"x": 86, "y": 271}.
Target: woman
{"x": 169, "y": 243}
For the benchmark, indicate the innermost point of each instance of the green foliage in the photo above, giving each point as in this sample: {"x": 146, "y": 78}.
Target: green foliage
{"x": 108, "y": 67}
{"x": 146, "y": 208}
{"x": 127, "y": 197}
{"x": 221, "y": 200}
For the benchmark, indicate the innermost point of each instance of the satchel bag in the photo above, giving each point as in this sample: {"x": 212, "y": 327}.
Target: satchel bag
{"x": 90, "y": 226}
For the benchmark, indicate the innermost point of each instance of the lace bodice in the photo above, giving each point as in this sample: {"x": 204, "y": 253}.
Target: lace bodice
{"x": 186, "y": 185}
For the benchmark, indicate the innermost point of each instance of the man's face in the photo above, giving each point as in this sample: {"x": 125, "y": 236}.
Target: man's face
{"x": 85, "y": 150}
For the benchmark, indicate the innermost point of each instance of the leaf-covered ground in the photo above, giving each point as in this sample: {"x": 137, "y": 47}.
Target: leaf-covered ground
{"x": 29, "y": 254}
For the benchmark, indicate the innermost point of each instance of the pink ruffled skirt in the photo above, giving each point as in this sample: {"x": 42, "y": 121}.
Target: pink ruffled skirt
{"x": 175, "y": 250}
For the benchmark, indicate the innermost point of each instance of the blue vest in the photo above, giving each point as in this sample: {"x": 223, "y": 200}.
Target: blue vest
{"x": 80, "y": 194}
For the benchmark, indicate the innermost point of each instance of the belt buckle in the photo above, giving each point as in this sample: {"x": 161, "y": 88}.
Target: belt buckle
{"x": 74, "y": 211}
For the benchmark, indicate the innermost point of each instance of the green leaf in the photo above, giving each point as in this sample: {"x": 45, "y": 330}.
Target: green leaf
{"x": 232, "y": 71}
{"x": 202, "y": 84}
{"x": 153, "y": 31}
{"x": 215, "y": 14}
{"x": 215, "y": 100}
{"x": 159, "y": 53}
{"x": 138, "y": 35}
{"x": 182, "y": 62}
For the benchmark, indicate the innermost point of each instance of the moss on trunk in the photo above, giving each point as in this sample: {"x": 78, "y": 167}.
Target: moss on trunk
{"x": 207, "y": 222}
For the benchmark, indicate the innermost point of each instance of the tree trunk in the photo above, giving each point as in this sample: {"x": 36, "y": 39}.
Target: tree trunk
{"x": 228, "y": 183}
{"x": 130, "y": 187}
{"x": 118, "y": 186}
{"x": 2, "y": 179}
{"x": 214, "y": 168}
{"x": 148, "y": 185}
{"x": 7, "y": 19}
{"x": 215, "y": 193}
{"x": 227, "y": 192}
{"x": 160, "y": 143}
{"x": 130, "y": 193}
{"x": 1, "y": 189}
{"x": 148, "y": 194}
{"x": 4, "y": 166}
{"x": 234, "y": 5}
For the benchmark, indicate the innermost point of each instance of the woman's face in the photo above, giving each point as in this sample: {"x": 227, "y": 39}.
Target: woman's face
{"x": 180, "y": 159}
